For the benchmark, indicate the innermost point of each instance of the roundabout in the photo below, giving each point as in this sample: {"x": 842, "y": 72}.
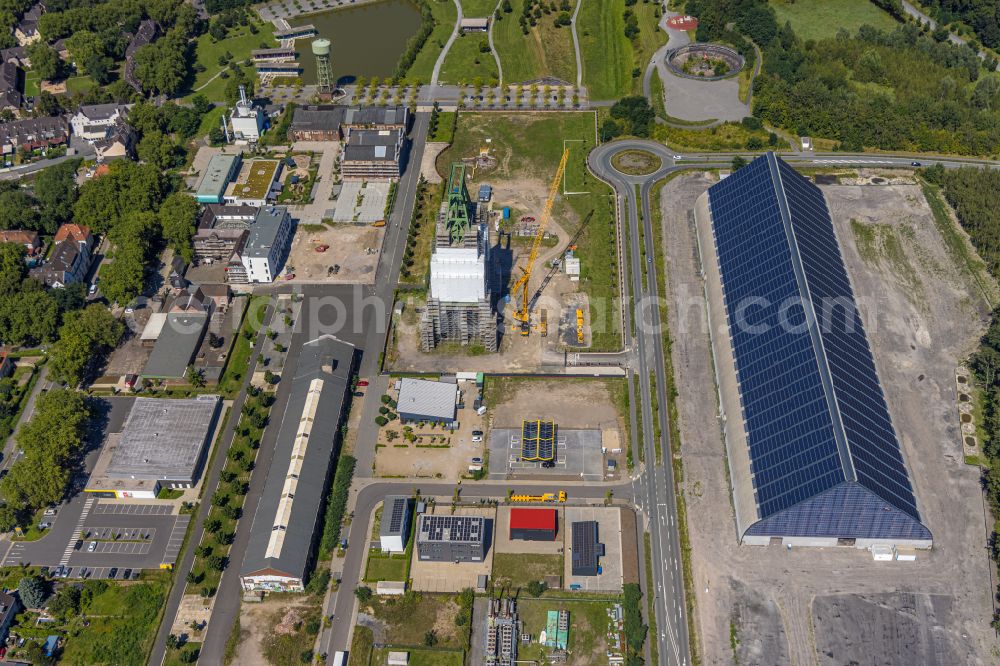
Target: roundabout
{"x": 636, "y": 162}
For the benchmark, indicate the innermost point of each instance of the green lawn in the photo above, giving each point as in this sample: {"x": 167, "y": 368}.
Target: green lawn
{"x": 606, "y": 52}
{"x": 173, "y": 657}
{"x": 386, "y": 567}
{"x": 529, "y": 145}
{"x": 116, "y": 625}
{"x": 420, "y": 657}
{"x": 517, "y": 570}
{"x": 239, "y": 355}
{"x": 477, "y": 8}
{"x": 445, "y": 15}
{"x": 588, "y": 624}
{"x": 650, "y": 38}
{"x": 407, "y": 618}
{"x": 239, "y": 43}
{"x": 465, "y": 62}
{"x": 545, "y": 51}
{"x": 818, "y": 19}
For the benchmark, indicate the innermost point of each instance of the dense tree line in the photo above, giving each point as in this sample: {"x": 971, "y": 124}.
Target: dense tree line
{"x": 898, "y": 90}
{"x": 53, "y": 443}
{"x": 415, "y": 43}
{"x": 85, "y": 338}
{"x": 983, "y": 16}
{"x": 629, "y": 116}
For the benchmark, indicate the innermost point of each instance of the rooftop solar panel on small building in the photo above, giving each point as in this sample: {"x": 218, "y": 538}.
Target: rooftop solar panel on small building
{"x": 824, "y": 458}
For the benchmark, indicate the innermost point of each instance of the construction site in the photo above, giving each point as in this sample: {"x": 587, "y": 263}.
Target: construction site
{"x": 504, "y": 277}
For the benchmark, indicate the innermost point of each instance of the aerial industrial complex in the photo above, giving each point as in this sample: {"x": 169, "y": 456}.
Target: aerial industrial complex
{"x": 813, "y": 453}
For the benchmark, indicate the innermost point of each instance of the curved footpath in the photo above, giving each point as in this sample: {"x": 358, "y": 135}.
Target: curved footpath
{"x": 447, "y": 47}
{"x": 576, "y": 44}
{"x": 493, "y": 48}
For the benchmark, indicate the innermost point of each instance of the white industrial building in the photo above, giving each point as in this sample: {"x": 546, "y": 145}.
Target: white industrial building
{"x": 458, "y": 274}
{"x": 248, "y": 120}
{"x": 395, "y": 526}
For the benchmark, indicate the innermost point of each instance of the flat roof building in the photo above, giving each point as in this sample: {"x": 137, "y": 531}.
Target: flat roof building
{"x": 255, "y": 184}
{"x": 220, "y": 170}
{"x": 163, "y": 443}
{"x": 395, "y": 526}
{"x": 586, "y": 549}
{"x": 373, "y": 154}
{"x": 178, "y": 340}
{"x": 267, "y": 244}
{"x": 449, "y": 538}
{"x": 423, "y": 400}
{"x": 284, "y": 531}
{"x": 812, "y": 450}
{"x": 533, "y": 524}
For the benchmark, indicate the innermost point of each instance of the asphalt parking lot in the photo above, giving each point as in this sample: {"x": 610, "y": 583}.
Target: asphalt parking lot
{"x": 578, "y": 455}
{"x": 134, "y": 536}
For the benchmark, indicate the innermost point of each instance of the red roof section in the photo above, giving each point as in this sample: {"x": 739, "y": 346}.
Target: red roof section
{"x": 533, "y": 519}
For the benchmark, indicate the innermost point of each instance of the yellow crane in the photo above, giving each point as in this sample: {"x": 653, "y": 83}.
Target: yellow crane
{"x": 523, "y": 313}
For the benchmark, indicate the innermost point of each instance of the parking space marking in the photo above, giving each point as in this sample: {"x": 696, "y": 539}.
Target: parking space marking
{"x": 176, "y": 539}
{"x": 134, "y": 509}
{"x": 75, "y": 535}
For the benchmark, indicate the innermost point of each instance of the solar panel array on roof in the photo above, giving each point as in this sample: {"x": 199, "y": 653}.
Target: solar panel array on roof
{"x": 538, "y": 439}
{"x": 587, "y": 550}
{"x": 398, "y": 510}
{"x": 824, "y": 457}
{"x": 451, "y": 528}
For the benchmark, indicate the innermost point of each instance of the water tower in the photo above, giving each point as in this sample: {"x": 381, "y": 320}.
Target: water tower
{"x": 324, "y": 73}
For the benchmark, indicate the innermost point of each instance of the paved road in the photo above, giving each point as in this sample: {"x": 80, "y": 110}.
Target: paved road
{"x": 655, "y": 487}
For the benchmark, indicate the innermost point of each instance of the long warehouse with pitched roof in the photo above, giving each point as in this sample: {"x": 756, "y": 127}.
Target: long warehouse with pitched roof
{"x": 284, "y": 531}
{"x": 813, "y": 454}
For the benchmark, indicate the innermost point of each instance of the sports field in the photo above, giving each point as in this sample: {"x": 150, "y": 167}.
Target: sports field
{"x": 545, "y": 51}
{"x": 818, "y": 19}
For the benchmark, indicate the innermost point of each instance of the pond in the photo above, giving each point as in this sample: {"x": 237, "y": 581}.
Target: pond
{"x": 365, "y": 41}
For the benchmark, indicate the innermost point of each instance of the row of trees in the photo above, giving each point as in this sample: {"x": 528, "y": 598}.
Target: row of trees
{"x": 53, "y": 443}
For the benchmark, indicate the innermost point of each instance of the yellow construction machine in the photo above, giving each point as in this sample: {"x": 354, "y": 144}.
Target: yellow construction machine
{"x": 520, "y": 289}
{"x": 544, "y": 497}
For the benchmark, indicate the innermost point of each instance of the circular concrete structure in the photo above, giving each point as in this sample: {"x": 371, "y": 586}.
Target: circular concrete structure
{"x": 703, "y": 62}
{"x": 321, "y": 47}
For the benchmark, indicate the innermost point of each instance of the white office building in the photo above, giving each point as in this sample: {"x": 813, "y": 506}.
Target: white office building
{"x": 267, "y": 244}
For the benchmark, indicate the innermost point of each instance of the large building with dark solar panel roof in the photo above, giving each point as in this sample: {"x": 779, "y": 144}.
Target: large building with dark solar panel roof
{"x": 813, "y": 455}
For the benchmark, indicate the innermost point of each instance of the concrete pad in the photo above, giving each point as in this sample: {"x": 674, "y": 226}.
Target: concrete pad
{"x": 609, "y": 532}
{"x": 361, "y": 202}
{"x": 578, "y": 455}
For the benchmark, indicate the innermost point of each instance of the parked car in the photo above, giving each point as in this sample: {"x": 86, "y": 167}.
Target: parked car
{"x": 51, "y": 511}
{"x": 79, "y": 544}
{"x": 477, "y": 461}
{"x": 44, "y": 526}
{"x": 92, "y": 546}
{"x": 548, "y": 464}
{"x": 113, "y": 572}
{"x": 127, "y": 574}
{"x": 362, "y": 382}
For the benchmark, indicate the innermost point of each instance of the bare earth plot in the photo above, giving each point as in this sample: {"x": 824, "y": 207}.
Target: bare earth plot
{"x": 838, "y": 606}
